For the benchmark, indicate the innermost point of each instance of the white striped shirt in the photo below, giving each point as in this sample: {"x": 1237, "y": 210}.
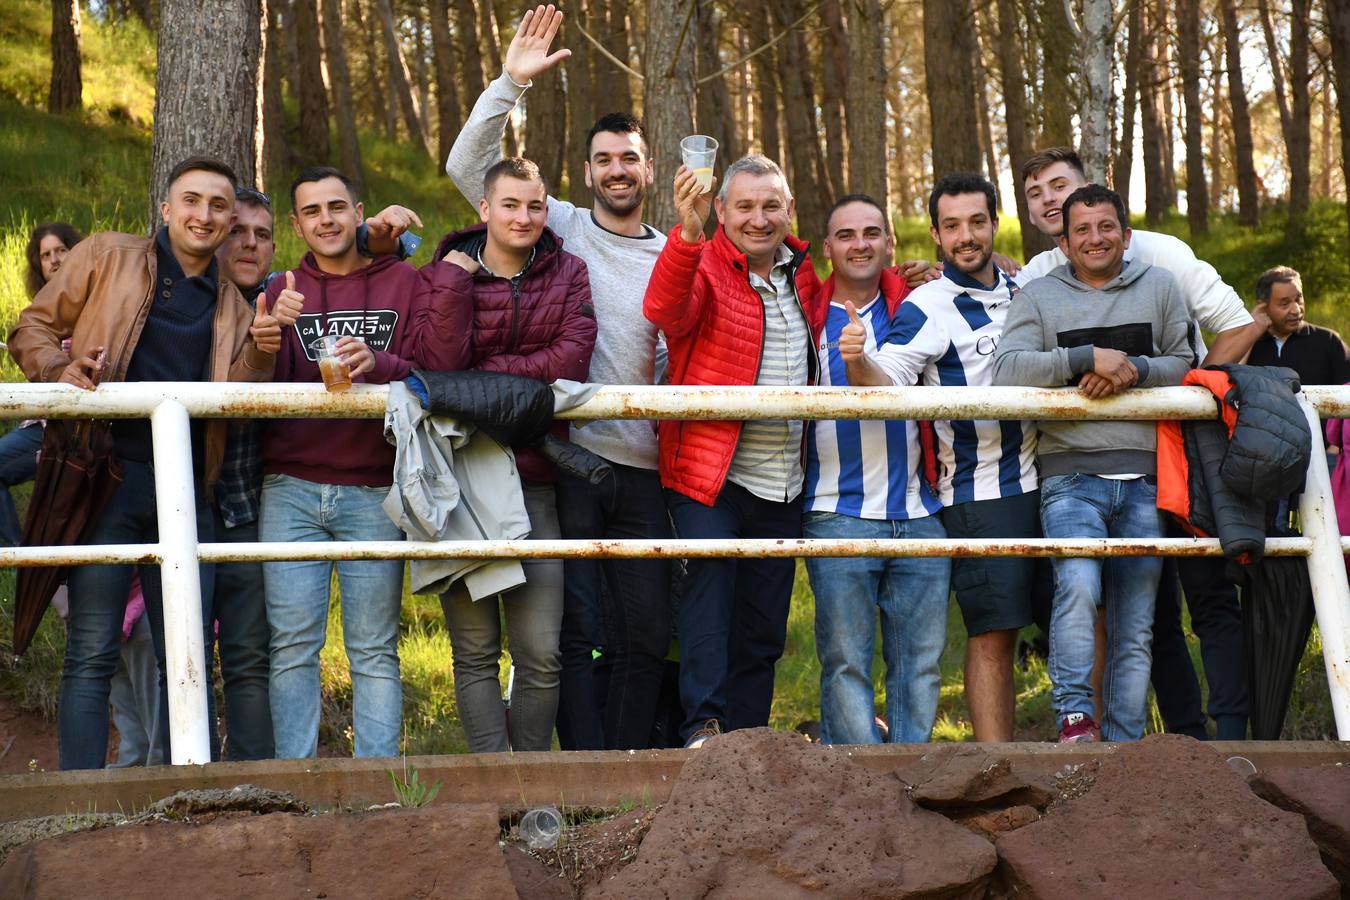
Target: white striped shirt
{"x": 768, "y": 459}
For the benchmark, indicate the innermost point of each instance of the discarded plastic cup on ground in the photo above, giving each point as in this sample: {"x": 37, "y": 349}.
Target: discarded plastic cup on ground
{"x": 541, "y": 828}
{"x": 698, "y": 152}
{"x": 1242, "y": 765}
{"x": 337, "y": 377}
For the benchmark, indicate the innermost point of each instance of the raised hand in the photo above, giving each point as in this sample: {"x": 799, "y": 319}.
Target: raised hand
{"x": 853, "y": 336}
{"x": 692, "y": 203}
{"x": 289, "y": 303}
{"x": 918, "y": 271}
{"x": 528, "y": 55}
{"x": 85, "y": 371}
{"x": 1261, "y": 315}
{"x": 265, "y": 329}
{"x": 383, "y": 228}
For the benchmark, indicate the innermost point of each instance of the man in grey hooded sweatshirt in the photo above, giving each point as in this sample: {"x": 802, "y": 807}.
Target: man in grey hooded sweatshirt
{"x": 1105, "y": 326}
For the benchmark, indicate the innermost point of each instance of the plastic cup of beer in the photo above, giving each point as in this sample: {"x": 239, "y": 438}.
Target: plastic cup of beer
{"x": 337, "y": 377}
{"x": 698, "y": 152}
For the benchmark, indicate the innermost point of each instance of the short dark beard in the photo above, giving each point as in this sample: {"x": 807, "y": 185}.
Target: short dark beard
{"x": 639, "y": 197}
{"x": 979, "y": 267}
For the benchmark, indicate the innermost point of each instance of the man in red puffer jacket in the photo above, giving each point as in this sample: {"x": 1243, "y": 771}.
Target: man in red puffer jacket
{"x": 532, "y": 316}
{"x": 736, "y": 310}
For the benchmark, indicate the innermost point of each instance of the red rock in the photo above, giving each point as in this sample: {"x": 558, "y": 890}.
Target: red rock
{"x": 1321, "y": 795}
{"x": 758, "y": 814}
{"x": 1167, "y": 818}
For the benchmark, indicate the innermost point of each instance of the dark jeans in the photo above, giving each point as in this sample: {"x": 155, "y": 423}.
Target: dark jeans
{"x": 733, "y": 616}
{"x": 98, "y": 599}
{"x": 241, "y": 611}
{"x": 619, "y": 605}
{"x": 18, "y": 464}
{"x": 1216, "y": 618}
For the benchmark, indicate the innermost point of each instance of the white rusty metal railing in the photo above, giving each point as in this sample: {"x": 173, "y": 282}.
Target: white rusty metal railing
{"x": 170, "y": 406}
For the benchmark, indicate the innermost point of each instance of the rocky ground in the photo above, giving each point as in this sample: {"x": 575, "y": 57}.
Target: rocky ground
{"x": 754, "y": 814}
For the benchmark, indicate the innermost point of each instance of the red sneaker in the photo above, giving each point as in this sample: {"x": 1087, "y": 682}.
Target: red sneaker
{"x": 1078, "y": 727}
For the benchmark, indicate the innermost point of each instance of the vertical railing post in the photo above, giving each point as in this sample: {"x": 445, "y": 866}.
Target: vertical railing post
{"x": 184, "y": 648}
{"x": 1326, "y": 572}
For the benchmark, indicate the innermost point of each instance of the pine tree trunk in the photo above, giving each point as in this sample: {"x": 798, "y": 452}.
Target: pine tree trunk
{"x": 579, "y": 71}
{"x": 420, "y": 71}
{"x": 866, "y": 97}
{"x": 67, "y": 85}
{"x": 206, "y": 86}
{"x": 276, "y": 142}
{"x": 470, "y": 56}
{"x": 489, "y": 34}
{"x": 448, "y": 121}
{"x": 1169, "y": 118}
{"x": 837, "y": 45}
{"x": 715, "y": 115}
{"x": 1015, "y": 102}
{"x": 1152, "y": 122}
{"x": 615, "y": 38}
{"x": 1217, "y": 126}
{"x": 314, "y": 143}
{"x": 1122, "y": 169}
{"x": 1057, "y": 61}
{"x": 1327, "y": 154}
{"x": 808, "y": 180}
{"x": 1094, "y": 112}
{"x": 1338, "y": 29}
{"x": 947, "y": 49}
{"x": 1197, "y": 192}
{"x": 668, "y": 98}
{"x": 1300, "y": 118}
{"x": 1249, "y": 201}
{"x": 349, "y": 148}
{"x": 399, "y": 77}
{"x": 1276, "y": 69}
{"x": 987, "y": 143}
{"x": 765, "y": 67}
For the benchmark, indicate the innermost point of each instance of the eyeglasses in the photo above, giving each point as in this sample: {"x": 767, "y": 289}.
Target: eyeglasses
{"x": 249, "y": 195}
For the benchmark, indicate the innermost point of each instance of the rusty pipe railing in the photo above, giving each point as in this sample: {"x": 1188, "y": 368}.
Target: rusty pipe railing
{"x": 169, "y": 406}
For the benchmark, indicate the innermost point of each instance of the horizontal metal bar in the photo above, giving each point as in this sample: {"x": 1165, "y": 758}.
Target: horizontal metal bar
{"x": 238, "y": 400}
{"x": 642, "y": 549}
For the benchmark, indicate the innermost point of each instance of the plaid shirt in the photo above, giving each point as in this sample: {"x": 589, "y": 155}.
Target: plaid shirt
{"x": 241, "y": 474}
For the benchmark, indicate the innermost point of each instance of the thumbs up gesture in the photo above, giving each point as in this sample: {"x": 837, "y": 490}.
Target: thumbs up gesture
{"x": 289, "y": 303}
{"x": 853, "y": 337}
{"x": 265, "y": 328}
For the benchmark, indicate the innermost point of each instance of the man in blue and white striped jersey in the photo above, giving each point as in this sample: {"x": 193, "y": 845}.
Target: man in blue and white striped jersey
{"x": 863, "y": 480}
{"x": 946, "y": 333}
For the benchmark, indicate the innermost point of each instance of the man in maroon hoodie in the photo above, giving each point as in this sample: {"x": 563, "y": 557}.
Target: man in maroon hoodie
{"x": 324, "y": 479}
{"x": 532, "y": 315}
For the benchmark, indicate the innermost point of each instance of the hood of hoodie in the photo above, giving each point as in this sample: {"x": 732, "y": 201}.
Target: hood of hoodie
{"x": 470, "y": 241}
{"x": 1131, "y": 273}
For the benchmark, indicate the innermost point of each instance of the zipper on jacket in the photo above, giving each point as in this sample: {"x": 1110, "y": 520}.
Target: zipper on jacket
{"x": 515, "y": 310}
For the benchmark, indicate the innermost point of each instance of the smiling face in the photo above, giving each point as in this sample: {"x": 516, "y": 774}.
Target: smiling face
{"x": 1285, "y": 307}
{"x": 198, "y": 213}
{"x": 326, "y": 218}
{"x": 755, "y": 215}
{"x": 858, "y": 244}
{"x": 618, "y": 171}
{"x": 1046, "y": 191}
{"x": 246, "y": 256}
{"x": 51, "y": 253}
{"x": 515, "y": 211}
{"x": 965, "y": 232}
{"x": 1095, "y": 242}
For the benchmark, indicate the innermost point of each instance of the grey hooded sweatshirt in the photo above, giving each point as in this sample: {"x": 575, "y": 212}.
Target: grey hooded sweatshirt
{"x": 1048, "y": 339}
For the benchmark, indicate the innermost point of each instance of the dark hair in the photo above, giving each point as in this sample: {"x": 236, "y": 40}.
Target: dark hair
{"x": 1092, "y": 195}
{"x": 201, "y": 164}
{"x": 1271, "y": 277}
{"x": 63, "y": 230}
{"x": 514, "y": 166}
{"x": 858, "y": 198}
{"x": 962, "y": 183}
{"x": 1046, "y": 158}
{"x": 319, "y": 173}
{"x": 249, "y": 197}
{"x": 617, "y": 123}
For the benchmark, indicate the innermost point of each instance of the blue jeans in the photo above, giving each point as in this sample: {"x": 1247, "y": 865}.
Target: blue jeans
{"x": 911, "y": 594}
{"x": 620, "y": 605}
{"x": 1087, "y": 506}
{"x": 98, "y": 600}
{"x": 297, "y": 612}
{"x": 242, "y": 641}
{"x": 733, "y": 614}
{"x": 18, "y": 464}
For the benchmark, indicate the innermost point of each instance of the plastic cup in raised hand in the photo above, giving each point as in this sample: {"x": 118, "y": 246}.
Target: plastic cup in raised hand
{"x": 699, "y": 152}
{"x": 337, "y": 377}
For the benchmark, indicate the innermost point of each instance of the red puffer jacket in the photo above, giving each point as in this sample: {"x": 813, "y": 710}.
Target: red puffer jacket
{"x": 540, "y": 324}
{"x": 700, "y": 296}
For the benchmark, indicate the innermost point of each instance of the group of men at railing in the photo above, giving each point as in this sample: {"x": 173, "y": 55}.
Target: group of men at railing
{"x": 551, "y": 291}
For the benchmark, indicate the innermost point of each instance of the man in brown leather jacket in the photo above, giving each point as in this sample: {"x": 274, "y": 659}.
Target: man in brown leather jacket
{"x": 142, "y": 309}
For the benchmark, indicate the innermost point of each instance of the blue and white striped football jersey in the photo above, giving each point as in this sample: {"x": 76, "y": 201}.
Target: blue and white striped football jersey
{"x": 945, "y": 333}
{"x": 868, "y": 469}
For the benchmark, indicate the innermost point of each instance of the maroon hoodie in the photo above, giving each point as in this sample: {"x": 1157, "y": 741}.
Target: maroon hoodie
{"x": 405, "y": 316}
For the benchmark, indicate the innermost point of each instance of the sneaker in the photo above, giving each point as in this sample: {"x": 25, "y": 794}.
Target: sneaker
{"x": 711, "y": 728}
{"x": 1078, "y": 727}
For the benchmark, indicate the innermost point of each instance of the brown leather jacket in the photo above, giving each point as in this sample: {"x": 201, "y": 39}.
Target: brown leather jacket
{"x": 101, "y": 296}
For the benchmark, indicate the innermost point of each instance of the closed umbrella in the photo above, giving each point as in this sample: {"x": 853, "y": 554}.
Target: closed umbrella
{"x": 1277, "y": 616}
